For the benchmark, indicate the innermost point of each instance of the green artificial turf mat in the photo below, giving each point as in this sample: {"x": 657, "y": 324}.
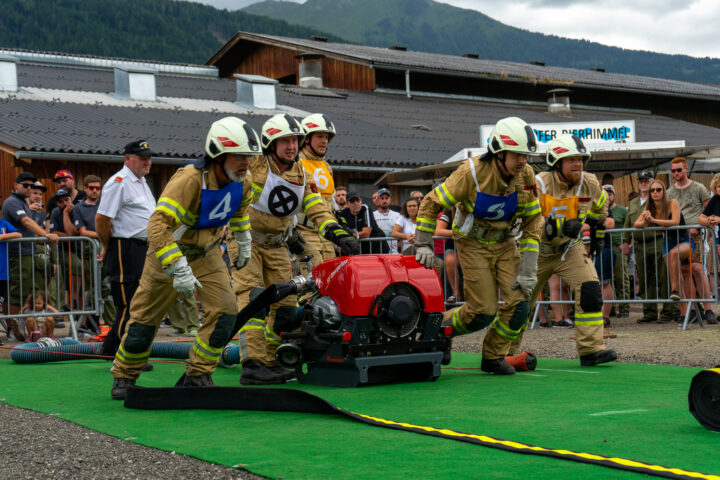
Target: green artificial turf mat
{"x": 631, "y": 411}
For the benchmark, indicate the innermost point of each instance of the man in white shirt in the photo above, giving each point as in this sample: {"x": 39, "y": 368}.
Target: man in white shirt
{"x": 386, "y": 218}
{"x": 125, "y": 207}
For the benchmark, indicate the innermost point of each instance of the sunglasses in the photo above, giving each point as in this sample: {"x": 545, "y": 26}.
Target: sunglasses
{"x": 27, "y": 185}
{"x": 93, "y": 188}
{"x": 653, "y": 190}
{"x": 676, "y": 170}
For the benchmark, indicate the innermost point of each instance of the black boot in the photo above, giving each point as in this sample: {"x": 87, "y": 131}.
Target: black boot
{"x": 498, "y": 366}
{"x": 603, "y": 356}
{"x": 255, "y": 373}
{"x": 119, "y": 388}
{"x": 287, "y": 375}
{"x": 204, "y": 380}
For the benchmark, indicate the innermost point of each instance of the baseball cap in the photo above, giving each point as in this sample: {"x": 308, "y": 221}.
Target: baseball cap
{"x": 25, "y": 176}
{"x": 352, "y": 195}
{"x": 609, "y": 187}
{"x": 62, "y": 193}
{"x": 62, "y": 174}
{"x": 139, "y": 148}
{"x": 645, "y": 174}
{"x": 39, "y": 185}
{"x": 383, "y": 191}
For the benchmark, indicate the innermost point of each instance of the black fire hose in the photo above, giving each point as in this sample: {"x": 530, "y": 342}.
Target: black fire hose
{"x": 272, "y": 294}
{"x": 704, "y": 398}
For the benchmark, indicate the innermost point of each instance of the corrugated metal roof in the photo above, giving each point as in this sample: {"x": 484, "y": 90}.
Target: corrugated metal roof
{"x": 495, "y": 68}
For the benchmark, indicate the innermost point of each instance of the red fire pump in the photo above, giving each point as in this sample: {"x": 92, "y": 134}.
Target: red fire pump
{"x": 368, "y": 319}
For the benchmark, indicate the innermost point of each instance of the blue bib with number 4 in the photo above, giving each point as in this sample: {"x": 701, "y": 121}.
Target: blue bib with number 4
{"x": 495, "y": 207}
{"x": 218, "y": 206}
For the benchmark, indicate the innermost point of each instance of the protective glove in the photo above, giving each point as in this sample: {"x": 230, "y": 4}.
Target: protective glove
{"x": 596, "y": 246}
{"x": 527, "y": 276}
{"x": 424, "y": 253}
{"x": 244, "y": 241}
{"x": 572, "y": 228}
{"x": 296, "y": 243}
{"x": 340, "y": 237}
{"x": 183, "y": 279}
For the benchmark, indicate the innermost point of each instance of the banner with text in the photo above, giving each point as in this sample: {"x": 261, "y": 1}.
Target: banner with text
{"x": 614, "y": 131}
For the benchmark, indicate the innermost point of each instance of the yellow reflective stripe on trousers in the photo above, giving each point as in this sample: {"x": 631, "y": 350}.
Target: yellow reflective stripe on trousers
{"x": 130, "y": 358}
{"x": 426, "y": 225}
{"x": 240, "y": 224}
{"x": 205, "y": 351}
{"x": 529, "y": 245}
{"x": 272, "y": 337}
{"x": 504, "y": 330}
{"x": 445, "y": 197}
{"x": 458, "y": 326}
{"x": 167, "y": 254}
{"x": 592, "y": 318}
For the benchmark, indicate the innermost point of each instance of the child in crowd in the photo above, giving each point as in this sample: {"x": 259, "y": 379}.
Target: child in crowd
{"x": 37, "y": 303}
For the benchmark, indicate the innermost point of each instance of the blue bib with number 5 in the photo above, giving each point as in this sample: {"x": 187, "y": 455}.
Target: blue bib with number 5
{"x": 218, "y": 206}
{"x": 495, "y": 207}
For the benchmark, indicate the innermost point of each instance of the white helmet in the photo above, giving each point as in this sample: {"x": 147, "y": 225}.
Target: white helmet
{"x": 231, "y": 135}
{"x": 566, "y": 145}
{"x": 279, "y": 126}
{"x": 512, "y": 134}
{"x": 317, "y": 122}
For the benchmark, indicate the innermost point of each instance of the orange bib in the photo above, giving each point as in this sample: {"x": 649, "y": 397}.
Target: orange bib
{"x": 321, "y": 176}
{"x": 559, "y": 207}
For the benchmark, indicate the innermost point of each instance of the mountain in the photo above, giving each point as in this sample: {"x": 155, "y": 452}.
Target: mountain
{"x": 163, "y": 30}
{"x": 427, "y": 26}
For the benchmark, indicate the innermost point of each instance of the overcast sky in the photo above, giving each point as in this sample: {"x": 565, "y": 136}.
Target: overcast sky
{"x": 667, "y": 26}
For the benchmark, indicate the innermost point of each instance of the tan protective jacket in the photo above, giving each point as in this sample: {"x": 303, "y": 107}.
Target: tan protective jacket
{"x": 179, "y": 208}
{"x": 592, "y": 199}
{"x": 460, "y": 188}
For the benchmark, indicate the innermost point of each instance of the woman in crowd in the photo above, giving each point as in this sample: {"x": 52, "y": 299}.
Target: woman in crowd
{"x": 660, "y": 211}
{"x": 711, "y": 217}
{"x": 404, "y": 229}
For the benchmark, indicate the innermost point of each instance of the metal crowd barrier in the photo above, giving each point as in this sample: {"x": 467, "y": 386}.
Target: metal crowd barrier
{"x": 67, "y": 272}
{"x": 656, "y": 276}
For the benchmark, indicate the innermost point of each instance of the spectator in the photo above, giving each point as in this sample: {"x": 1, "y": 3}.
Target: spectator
{"x": 356, "y": 216}
{"x": 404, "y": 229}
{"x": 649, "y": 265}
{"x": 445, "y": 251}
{"x": 65, "y": 179}
{"x": 21, "y": 256}
{"x": 386, "y": 218}
{"x": 620, "y": 268}
{"x": 417, "y": 195}
{"x": 692, "y": 197}
{"x": 663, "y": 211}
{"x": 35, "y": 202}
{"x": 7, "y": 231}
{"x": 375, "y": 199}
{"x": 37, "y": 303}
{"x": 126, "y": 204}
{"x": 340, "y": 197}
{"x": 604, "y": 265}
{"x": 608, "y": 179}
{"x": 69, "y": 264}
{"x": 711, "y": 214}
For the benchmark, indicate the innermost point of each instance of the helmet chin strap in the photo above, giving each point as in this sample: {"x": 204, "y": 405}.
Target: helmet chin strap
{"x": 501, "y": 160}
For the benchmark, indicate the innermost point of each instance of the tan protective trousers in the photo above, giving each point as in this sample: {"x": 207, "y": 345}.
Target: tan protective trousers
{"x": 576, "y": 269}
{"x": 268, "y": 265}
{"x": 154, "y": 297}
{"x": 315, "y": 245}
{"x": 487, "y": 268}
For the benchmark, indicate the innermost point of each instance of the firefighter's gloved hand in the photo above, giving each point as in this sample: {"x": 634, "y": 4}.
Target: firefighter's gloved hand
{"x": 183, "y": 279}
{"x": 424, "y": 253}
{"x": 572, "y": 228}
{"x": 527, "y": 276}
{"x": 296, "y": 243}
{"x": 596, "y": 246}
{"x": 244, "y": 250}
{"x": 340, "y": 237}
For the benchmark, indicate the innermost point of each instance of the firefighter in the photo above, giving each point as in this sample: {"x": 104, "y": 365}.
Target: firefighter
{"x": 281, "y": 190}
{"x": 572, "y": 202}
{"x": 184, "y": 233}
{"x": 492, "y": 193}
{"x": 319, "y": 132}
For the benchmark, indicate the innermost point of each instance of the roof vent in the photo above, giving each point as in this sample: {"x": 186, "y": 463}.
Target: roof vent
{"x": 8, "y": 74}
{"x": 559, "y": 101}
{"x": 537, "y": 62}
{"x": 310, "y": 70}
{"x": 256, "y": 91}
{"x": 471, "y": 55}
{"x": 401, "y": 48}
{"x": 597, "y": 69}
{"x": 318, "y": 38}
{"x": 135, "y": 84}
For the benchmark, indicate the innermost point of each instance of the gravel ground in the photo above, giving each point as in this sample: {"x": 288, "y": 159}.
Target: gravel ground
{"x": 35, "y": 445}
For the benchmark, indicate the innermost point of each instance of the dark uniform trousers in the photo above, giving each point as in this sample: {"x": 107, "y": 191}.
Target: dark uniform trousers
{"x": 124, "y": 261}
